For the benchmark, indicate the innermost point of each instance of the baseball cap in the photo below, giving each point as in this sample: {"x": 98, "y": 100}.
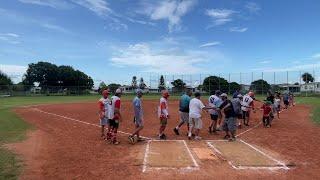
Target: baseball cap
{"x": 224, "y": 95}
{"x": 118, "y": 91}
{"x": 218, "y": 92}
{"x": 139, "y": 91}
{"x": 239, "y": 96}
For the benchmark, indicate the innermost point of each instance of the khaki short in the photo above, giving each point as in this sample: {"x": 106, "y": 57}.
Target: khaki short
{"x": 195, "y": 123}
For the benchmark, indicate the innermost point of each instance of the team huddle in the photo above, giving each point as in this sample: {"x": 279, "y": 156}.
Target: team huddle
{"x": 226, "y": 114}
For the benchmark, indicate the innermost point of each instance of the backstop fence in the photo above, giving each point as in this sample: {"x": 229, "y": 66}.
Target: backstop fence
{"x": 260, "y": 82}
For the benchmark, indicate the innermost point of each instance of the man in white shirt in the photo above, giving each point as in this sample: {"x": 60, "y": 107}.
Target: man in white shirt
{"x": 196, "y": 106}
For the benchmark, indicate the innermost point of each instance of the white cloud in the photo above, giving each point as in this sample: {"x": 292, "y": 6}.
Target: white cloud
{"x": 15, "y": 72}
{"x": 214, "y": 43}
{"x": 252, "y": 7}
{"x": 219, "y": 16}
{"x": 316, "y": 56}
{"x": 238, "y": 29}
{"x": 172, "y": 11}
{"x": 265, "y": 62}
{"x": 117, "y": 26}
{"x": 55, "y": 28}
{"x": 11, "y": 38}
{"x": 99, "y": 7}
{"x": 166, "y": 58}
{"x": 58, "y": 4}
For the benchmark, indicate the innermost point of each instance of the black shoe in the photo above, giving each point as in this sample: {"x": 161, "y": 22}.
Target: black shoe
{"x": 210, "y": 130}
{"x": 226, "y": 137}
{"x": 163, "y": 137}
{"x": 175, "y": 130}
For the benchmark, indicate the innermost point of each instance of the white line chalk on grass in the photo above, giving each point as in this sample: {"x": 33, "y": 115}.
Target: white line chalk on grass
{"x": 147, "y": 152}
{"x": 281, "y": 164}
{"x": 79, "y": 121}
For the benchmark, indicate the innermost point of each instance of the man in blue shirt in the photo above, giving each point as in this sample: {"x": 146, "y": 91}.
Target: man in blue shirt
{"x": 184, "y": 110}
{"x": 138, "y": 117}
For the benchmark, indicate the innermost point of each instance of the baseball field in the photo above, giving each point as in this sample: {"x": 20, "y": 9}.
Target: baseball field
{"x": 58, "y": 137}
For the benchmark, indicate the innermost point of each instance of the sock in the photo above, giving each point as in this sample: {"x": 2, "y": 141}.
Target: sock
{"x": 177, "y": 127}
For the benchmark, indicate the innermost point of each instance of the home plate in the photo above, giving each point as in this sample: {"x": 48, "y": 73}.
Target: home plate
{"x": 204, "y": 153}
{"x": 168, "y": 155}
{"x": 242, "y": 155}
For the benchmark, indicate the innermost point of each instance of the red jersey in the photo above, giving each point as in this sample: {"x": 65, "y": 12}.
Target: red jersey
{"x": 266, "y": 110}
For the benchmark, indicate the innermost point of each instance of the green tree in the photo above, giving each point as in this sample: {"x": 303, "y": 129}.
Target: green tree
{"x": 307, "y": 77}
{"x": 179, "y": 85}
{"x": 102, "y": 86}
{"x": 42, "y": 72}
{"x": 213, "y": 83}
{"x": 134, "y": 83}
{"x": 260, "y": 86}
{"x": 113, "y": 87}
{"x": 142, "y": 85}
{"x": 5, "y": 79}
{"x": 162, "y": 84}
{"x": 234, "y": 86}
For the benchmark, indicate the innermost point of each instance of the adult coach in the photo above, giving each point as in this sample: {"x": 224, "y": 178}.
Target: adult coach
{"x": 230, "y": 118}
{"x": 138, "y": 117}
{"x": 183, "y": 110}
{"x": 163, "y": 113}
{"x": 196, "y": 106}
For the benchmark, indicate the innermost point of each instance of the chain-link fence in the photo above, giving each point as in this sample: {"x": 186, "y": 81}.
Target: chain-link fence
{"x": 24, "y": 90}
{"x": 305, "y": 82}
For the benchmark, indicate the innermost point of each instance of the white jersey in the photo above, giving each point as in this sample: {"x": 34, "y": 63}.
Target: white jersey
{"x": 195, "y": 107}
{"x": 214, "y": 101}
{"x": 164, "y": 110}
{"x": 115, "y": 103}
{"x": 105, "y": 105}
{"x": 277, "y": 102}
{"x": 246, "y": 103}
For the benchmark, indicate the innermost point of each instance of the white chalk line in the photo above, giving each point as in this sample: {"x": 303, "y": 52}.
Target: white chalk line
{"x": 145, "y": 166}
{"x": 79, "y": 121}
{"x": 281, "y": 164}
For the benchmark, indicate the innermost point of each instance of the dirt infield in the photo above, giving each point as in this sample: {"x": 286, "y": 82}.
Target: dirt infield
{"x": 67, "y": 145}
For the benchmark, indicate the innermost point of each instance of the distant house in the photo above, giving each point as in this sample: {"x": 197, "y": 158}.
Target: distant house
{"x": 245, "y": 87}
{"x": 174, "y": 89}
{"x": 130, "y": 90}
{"x": 311, "y": 87}
{"x": 293, "y": 88}
{"x": 35, "y": 90}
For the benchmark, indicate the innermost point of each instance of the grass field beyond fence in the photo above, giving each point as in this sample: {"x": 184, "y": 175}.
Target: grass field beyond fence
{"x": 13, "y": 128}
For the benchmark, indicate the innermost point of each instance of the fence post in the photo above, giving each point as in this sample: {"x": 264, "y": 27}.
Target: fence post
{"x": 229, "y": 85}
{"x": 288, "y": 81}
{"x": 262, "y": 88}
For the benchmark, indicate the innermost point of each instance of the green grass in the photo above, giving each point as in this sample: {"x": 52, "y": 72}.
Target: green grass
{"x": 314, "y": 102}
{"x": 13, "y": 129}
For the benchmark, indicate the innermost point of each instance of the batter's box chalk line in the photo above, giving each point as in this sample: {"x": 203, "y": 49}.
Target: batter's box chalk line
{"x": 146, "y": 168}
{"x": 281, "y": 165}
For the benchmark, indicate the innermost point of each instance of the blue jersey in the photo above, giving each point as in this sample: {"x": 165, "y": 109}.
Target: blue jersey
{"x": 184, "y": 103}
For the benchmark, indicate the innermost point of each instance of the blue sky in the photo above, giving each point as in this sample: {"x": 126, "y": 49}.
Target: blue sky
{"x": 112, "y": 40}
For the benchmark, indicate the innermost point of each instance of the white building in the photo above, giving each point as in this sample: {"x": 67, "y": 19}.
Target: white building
{"x": 130, "y": 90}
{"x": 310, "y": 87}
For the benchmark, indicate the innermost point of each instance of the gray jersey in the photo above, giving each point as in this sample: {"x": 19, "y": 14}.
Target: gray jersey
{"x": 236, "y": 103}
{"x": 137, "y": 107}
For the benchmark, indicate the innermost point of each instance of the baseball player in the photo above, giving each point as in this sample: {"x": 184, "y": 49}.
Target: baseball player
{"x": 104, "y": 109}
{"x": 247, "y": 105}
{"x": 214, "y": 101}
{"x": 138, "y": 117}
{"x": 196, "y": 106}
{"x": 184, "y": 110}
{"x": 236, "y": 102}
{"x": 163, "y": 113}
{"x": 115, "y": 115}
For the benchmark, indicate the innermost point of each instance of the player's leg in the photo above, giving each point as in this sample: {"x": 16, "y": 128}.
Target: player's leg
{"x": 197, "y": 126}
{"x": 191, "y": 124}
{"x": 232, "y": 127}
{"x": 182, "y": 121}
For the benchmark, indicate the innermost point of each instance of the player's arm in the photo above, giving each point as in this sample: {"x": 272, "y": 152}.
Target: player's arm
{"x": 117, "y": 113}
{"x": 101, "y": 110}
